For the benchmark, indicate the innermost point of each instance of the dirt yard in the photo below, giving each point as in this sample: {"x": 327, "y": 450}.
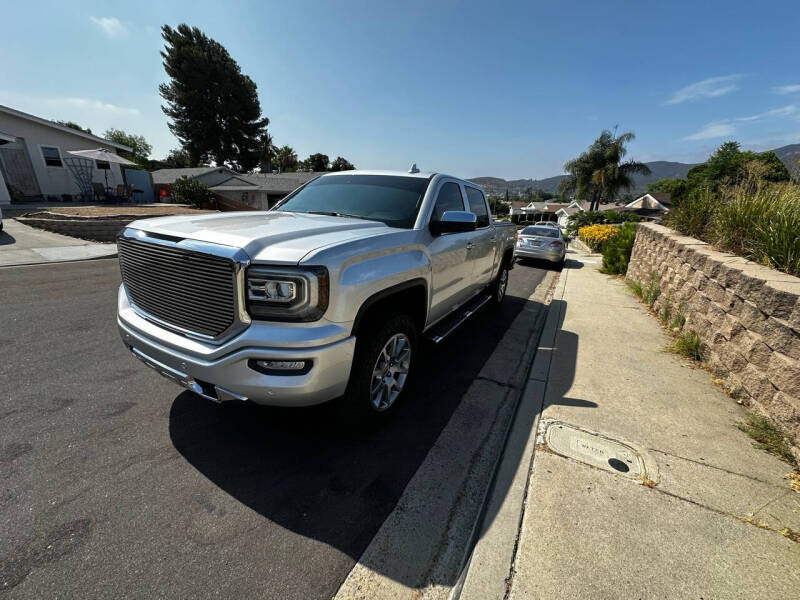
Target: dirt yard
{"x": 154, "y": 210}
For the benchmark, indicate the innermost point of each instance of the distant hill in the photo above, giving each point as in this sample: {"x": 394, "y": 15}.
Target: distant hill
{"x": 789, "y": 155}
{"x": 659, "y": 170}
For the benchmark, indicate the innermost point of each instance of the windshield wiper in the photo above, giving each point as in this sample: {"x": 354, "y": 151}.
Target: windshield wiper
{"x": 330, "y": 213}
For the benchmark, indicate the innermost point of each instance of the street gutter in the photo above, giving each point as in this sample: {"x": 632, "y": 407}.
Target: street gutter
{"x": 422, "y": 546}
{"x": 488, "y": 572}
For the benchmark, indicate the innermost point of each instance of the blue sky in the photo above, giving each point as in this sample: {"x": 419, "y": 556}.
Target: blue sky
{"x": 505, "y": 89}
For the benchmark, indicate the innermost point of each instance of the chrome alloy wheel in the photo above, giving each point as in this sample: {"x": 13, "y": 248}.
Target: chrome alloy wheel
{"x": 502, "y": 285}
{"x": 390, "y": 372}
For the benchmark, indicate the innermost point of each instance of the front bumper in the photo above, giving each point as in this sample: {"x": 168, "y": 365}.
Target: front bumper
{"x": 224, "y": 373}
{"x": 553, "y": 255}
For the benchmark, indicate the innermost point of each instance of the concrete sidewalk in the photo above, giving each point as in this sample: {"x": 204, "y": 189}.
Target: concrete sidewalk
{"x": 692, "y": 511}
{"x": 23, "y": 245}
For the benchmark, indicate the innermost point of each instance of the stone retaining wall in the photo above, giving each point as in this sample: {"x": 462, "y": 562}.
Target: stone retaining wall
{"x": 747, "y": 315}
{"x": 95, "y": 229}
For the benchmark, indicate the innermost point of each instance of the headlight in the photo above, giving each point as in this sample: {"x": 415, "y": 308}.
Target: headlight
{"x": 287, "y": 294}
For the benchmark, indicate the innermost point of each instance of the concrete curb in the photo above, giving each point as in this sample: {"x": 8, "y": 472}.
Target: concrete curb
{"x": 488, "y": 571}
{"x": 60, "y": 262}
{"x": 423, "y": 544}
{"x": 581, "y": 247}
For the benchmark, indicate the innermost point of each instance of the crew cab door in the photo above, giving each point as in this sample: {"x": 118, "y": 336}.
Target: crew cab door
{"x": 481, "y": 249}
{"x": 451, "y": 272}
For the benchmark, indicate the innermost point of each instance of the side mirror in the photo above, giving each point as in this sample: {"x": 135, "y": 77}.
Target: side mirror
{"x": 454, "y": 221}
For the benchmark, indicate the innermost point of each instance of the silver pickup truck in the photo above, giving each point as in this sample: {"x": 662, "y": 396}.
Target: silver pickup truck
{"x": 326, "y": 294}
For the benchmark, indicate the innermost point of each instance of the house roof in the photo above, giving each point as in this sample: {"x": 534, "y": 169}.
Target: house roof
{"x": 570, "y": 210}
{"x": 171, "y": 175}
{"x": 650, "y": 202}
{"x": 552, "y": 208}
{"x": 234, "y": 188}
{"x": 82, "y": 134}
{"x": 280, "y": 183}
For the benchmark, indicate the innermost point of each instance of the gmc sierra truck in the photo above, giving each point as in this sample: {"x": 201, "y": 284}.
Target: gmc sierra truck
{"x": 327, "y": 294}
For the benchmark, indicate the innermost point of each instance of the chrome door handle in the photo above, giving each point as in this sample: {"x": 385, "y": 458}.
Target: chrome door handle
{"x": 470, "y": 245}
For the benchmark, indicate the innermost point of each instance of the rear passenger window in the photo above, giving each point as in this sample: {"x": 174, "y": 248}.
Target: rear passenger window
{"x": 478, "y": 205}
{"x": 449, "y": 198}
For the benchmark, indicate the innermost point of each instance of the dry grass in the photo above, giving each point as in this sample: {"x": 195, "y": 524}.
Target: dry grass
{"x": 767, "y": 436}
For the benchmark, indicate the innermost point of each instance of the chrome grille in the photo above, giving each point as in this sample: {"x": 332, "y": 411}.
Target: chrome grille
{"x": 192, "y": 291}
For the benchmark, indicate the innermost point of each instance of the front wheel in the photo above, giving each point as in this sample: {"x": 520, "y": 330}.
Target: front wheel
{"x": 381, "y": 367}
{"x": 500, "y": 285}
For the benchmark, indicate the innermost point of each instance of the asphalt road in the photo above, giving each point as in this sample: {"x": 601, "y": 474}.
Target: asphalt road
{"x": 115, "y": 483}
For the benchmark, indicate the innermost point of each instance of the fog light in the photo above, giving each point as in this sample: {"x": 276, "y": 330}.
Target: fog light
{"x": 282, "y": 365}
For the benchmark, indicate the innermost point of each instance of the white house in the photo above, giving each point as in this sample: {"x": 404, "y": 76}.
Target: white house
{"x": 565, "y": 212}
{"x": 32, "y": 153}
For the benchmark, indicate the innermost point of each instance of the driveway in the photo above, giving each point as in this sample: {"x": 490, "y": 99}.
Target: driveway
{"x": 23, "y": 245}
{"x": 118, "y": 484}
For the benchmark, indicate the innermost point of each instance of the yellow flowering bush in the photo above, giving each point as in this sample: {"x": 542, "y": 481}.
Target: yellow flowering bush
{"x": 595, "y": 236}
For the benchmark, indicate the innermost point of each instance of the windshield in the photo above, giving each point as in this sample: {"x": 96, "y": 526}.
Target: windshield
{"x": 390, "y": 199}
{"x": 544, "y": 231}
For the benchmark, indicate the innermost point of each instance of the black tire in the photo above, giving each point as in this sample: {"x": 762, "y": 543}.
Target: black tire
{"x": 499, "y": 286}
{"x": 370, "y": 342}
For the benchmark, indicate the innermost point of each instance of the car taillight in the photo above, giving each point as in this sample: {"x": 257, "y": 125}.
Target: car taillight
{"x": 556, "y": 244}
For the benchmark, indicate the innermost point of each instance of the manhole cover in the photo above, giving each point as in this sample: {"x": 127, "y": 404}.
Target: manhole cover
{"x": 594, "y": 449}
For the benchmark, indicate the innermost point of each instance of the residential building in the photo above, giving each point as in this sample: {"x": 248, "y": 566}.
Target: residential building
{"x": 33, "y": 151}
{"x": 652, "y": 206}
{"x": 234, "y": 191}
{"x": 565, "y": 212}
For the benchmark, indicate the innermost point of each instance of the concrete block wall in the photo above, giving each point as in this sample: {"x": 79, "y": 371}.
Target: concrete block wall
{"x": 747, "y": 315}
{"x": 98, "y": 230}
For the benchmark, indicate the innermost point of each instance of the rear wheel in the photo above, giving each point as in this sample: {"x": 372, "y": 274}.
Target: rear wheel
{"x": 382, "y": 366}
{"x": 500, "y": 284}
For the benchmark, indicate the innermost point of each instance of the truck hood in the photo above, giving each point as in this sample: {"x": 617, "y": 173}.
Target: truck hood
{"x": 274, "y": 237}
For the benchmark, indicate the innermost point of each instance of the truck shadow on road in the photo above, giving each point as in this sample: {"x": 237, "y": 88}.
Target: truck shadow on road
{"x": 315, "y": 473}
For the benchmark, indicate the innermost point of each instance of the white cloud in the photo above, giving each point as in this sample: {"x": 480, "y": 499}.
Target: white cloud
{"x": 787, "y": 89}
{"x": 784, "y": 111}
{"x": 713, "y": 130}
{"x": 39, "y": 104}
{"x": 708, "y": 88}
{"x": 111, "y": 26}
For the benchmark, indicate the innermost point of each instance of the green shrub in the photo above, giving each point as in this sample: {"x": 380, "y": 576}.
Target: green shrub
{"x": 753, "y": 217}
{"x": 608, "y": 217}
{"x": 778, "y": 239}
{"x": 614, "y": 217}
{"x": 688, "y": 344}
{"x": 739, "y": 214}
{"x": 769, "y": 437}
{"x": 652, "y": 291}
{"x": 635, "y": 287}
{"x": 617, "y": 250}
{"x": 191, "y": 191}
{"x": 693, "y": 216}
{"x": 678, "y": 318}
{"x": 666, "y": 310}
{"x": 583, "y": 219}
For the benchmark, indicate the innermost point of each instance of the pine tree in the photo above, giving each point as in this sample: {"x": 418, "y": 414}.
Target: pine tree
{"x": 213, "y": 107}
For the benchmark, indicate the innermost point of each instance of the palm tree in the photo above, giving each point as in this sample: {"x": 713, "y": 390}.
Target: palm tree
{"x": 599, "y": 171}
{"x": 285, "y": 159}
{"x": 267, "y": 151}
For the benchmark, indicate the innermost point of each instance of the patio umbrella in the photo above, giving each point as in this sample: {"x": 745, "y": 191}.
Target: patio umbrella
{"x": 102, "y": 154}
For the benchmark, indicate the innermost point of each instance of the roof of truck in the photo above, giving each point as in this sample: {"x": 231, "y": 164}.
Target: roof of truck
{"x": 391, "y": 173}
{"x": 421, "y": 175}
